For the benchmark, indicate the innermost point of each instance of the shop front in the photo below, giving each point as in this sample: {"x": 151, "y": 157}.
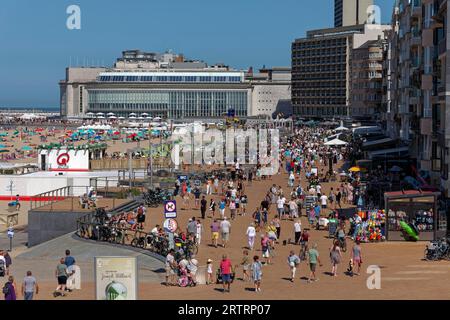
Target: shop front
{"x": 413, "y": 213}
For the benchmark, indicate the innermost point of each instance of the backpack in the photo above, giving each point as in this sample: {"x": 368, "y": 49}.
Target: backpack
{"x": 5, "y": 289}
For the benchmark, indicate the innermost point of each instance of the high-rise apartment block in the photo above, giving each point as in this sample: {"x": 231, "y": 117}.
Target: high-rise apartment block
{"x": 350, "y": 12}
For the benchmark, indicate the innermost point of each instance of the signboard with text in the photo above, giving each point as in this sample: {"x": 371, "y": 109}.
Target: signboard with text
{"x": 116, "y": 278}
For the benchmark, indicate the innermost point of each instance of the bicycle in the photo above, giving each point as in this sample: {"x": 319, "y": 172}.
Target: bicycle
{"x": 139, "y": 241}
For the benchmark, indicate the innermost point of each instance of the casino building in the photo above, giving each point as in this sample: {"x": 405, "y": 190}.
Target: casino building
{"x": 163, "y": 85}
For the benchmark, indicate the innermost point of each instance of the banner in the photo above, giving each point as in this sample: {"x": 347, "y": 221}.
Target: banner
{"x": 116, "y": 278}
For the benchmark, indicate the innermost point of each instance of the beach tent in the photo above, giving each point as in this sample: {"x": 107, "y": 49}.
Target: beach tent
{"x": 341, "y": 128}
{"x": 336, "y": 142}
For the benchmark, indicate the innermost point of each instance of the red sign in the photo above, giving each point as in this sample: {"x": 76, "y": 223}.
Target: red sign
{"x": 63, "y": 159}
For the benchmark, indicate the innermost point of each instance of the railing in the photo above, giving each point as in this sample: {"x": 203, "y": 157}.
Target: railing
{"x": 50, "y": 198}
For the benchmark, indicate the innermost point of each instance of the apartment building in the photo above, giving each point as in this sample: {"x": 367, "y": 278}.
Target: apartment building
{"x": 350, "y": 12}
{"x": 366, "y": 81}
{"x": 322, "y": 69}
{"x": 415, "y": 85}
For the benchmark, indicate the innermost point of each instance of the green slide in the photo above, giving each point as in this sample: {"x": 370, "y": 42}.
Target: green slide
{"x": 409, "y": 231}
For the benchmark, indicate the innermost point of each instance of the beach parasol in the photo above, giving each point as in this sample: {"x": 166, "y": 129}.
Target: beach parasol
{"x": 132, "y": 117}
{"x": 4, "y": 150}
{"x": 112, "y": 117}
{"x": 157, "y": 118}
{"x": 121, "y": 118}
{"x": 355, "y": 169}
{"x": 111, "y": 114}
{"x": 144, "y": 114}
{"x": 100, "y": 114}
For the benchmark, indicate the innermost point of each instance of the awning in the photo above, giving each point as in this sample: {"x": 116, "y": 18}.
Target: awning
{"x": 389, "y": 153}
{"x": 379, "y": 143}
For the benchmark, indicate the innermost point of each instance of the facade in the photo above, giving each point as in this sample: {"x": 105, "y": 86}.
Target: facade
{"x": 366, "y": 81}
{"x": 418, "y": 92}
{"x": 271, "y": 92}
{"x": 350, "y": 12}
{"x": 321, "y": 69}
{"x": 169, "y": 86}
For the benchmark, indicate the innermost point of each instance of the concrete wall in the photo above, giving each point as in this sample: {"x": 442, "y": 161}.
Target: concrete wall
{"x": 26, "y": 186}
{"x": 265, "y": 97}
{"x": 45, "y": 226}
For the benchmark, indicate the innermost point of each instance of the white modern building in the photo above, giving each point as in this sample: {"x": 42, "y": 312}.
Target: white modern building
{"x": 170, "y": 86}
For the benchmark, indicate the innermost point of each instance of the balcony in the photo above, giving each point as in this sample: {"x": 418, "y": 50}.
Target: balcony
{"x": 416, "y": 10}
{"x": 416, "y": 34}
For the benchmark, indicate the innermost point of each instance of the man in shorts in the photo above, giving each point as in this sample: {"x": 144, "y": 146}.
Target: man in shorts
{"x": 225, "y": 271}
{"x": 225, "y": 229}
{"x": 215, "y": 227}
{"x": 313, "y": 257}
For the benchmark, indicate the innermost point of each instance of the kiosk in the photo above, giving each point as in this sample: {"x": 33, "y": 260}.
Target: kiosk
{"x": 419, "y": 207}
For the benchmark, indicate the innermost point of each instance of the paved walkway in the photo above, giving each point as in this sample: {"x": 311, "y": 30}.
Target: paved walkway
{"x": 42, "y": 260}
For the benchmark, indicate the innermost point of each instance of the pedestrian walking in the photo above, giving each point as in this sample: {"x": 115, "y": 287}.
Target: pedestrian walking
{"x": 356, "y": 256}
{"x": 222, "y": 206}
{"x": 212, "y": 208}
{"x": 215, "y": 227}
{"x": 29, "y": 286}
{"x": 9, "y": 289}
{"x": 61, "y": 275}
{"x": 199, "y": 231}
{"x": 209, "y": 272}
{"x": 265, "y": 248}
{"x": 225, "y": 230}
{"x": 257, "y": 273}
{"x": 203, "y": 204}
{"x": 336, "y": 257}
{"x": 251, "y": 234}
{"x": 313, "y": 258}
{"x": 293, "y": 262}
{"x": 225, "y": 272}
{"x": 245, "y": 263}
{"x": 297, "y": 231}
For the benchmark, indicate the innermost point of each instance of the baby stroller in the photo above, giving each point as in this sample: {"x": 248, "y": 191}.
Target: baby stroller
{"x": 185, "y": 279}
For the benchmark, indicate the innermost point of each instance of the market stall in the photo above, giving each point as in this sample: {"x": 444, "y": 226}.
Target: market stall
{"x": 412, "y": 211}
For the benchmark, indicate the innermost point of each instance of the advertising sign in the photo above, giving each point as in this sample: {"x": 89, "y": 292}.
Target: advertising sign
{"x": 64, "y": 160}
{"x": 116, "y": 278}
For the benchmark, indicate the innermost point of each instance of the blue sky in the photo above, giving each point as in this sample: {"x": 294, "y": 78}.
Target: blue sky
{"x": 36, "y": 46}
